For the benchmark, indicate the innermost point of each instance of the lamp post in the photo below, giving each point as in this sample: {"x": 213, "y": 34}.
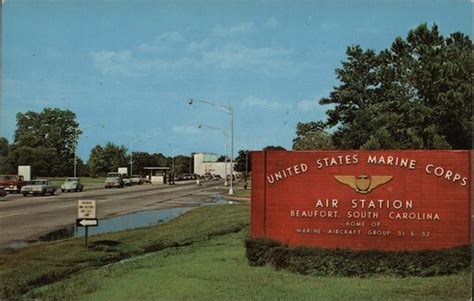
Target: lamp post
{"x": 225, "y": 132}
{"x": 230, "y": 111}
{"x": 76, "y": 142}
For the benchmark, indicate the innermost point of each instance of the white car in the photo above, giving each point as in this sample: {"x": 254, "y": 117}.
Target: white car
{"x": 137, "y": 180}
{"x": 72, "y": 184}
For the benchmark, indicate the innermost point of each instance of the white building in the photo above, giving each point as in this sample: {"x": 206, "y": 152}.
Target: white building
{"x": 207, "y": 163}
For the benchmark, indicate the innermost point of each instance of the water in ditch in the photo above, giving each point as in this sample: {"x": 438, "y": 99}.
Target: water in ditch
{"x": 120, "y": 223}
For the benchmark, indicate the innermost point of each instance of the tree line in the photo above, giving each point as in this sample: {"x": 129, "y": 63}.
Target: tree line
{"x": 416, "y": 94}
{"x": 46, "y": 141}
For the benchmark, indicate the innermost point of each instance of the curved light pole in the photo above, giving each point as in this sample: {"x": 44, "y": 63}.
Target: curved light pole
{"x": 230, "y": 111}
{"x": 75, "y": 142}
{"x": 225, "y": 132}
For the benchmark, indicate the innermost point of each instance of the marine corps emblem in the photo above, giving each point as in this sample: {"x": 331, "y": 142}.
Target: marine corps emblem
{"x": 363, "y": 183}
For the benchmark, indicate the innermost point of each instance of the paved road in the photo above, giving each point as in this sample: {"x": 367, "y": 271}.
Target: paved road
{"x": 27, "y": 218}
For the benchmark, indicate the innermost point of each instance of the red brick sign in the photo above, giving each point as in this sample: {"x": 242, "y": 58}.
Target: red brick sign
{"x": 389, "y": 200}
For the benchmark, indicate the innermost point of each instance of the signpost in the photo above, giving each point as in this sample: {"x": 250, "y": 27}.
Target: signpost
{"x": 86, "y": 215}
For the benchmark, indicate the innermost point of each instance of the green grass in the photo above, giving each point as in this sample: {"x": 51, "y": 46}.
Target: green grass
{"x": 240, "y": 191}
{"x": 58, "y": 181}
{"x": 198, "y": 256}
{"x": 217, "y": 270}
{"x": 24, "y": 269}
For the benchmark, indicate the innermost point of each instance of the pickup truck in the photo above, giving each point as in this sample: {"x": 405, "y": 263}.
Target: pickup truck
{"x": 114, "y": 179}
{"x": 12, "y": 183}
{"x": 38, "y": 187}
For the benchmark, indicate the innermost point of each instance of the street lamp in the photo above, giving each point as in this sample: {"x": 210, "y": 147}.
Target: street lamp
{"x": 225, "y": 132}
{"x": 230, "y": 111}
{"x": 75, "y": 142}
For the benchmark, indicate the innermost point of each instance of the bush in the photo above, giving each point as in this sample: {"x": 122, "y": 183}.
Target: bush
{"x": 345, "y": 262}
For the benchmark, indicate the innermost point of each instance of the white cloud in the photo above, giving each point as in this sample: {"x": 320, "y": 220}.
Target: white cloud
{"x": 198, "y": 46}
{"x": 111, "y": 61}
{"x": 237, "y": 56}
{"x": 228, "y": 57}
{"x": 273, "y": 23}
{"x": 162, "y": 42}
{"x": 173, "y": 54}
{"x": 307, "y": 105}
{"x": 242, "y": 28}
{"x": 185, "y": 129}
{"x": 122, "y": 62}
{"x": 252, "y": 101}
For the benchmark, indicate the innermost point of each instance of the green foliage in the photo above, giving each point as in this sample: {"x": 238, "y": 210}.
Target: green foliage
{"x": 106, "y": 159}
{"x": 42, "y": 159}
{"x": 345, "y": 262}
{"x": 414, "y": 95}
{"x": 274, "y": 148}
{"x": 243, "y": 162}
{"x": 182, "y": 164}
{"x": 312, "y": 135}
{"x": 6, "y": 164}
{"x": 46, "y": 141}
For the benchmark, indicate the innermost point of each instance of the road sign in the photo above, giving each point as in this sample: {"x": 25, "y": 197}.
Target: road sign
{"x": 86, "y": 209}
{"x": 87, "y": 222}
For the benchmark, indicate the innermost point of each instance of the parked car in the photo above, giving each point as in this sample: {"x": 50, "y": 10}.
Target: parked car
{"x": 127, "y": 181}
{"x": 136, "y": 179}
{"x": 12, "y": 183}
{"x": 114, "y": 179}
{"x": 38, "y": 187}
{"x": 72, "y": 184}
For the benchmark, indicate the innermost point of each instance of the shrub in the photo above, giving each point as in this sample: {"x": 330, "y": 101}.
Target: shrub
{"x": 345, "y": 262}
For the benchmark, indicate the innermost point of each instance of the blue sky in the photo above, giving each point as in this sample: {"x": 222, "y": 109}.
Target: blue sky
{"x": 132, "y": 65}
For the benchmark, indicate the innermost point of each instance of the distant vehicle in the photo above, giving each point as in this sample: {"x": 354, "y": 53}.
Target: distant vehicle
{"x": 114, "y": 179}
{"x": 216, "y": 177}
{"x": 188, "y": 176}
{"x": 2, "y": 192}
{"x": 12, "y": 183}
{"x": 137, "y": 180}
{"x": 38, "y": 187}
{"x": 127, "y": 181}
{"x": 72, "y": 184}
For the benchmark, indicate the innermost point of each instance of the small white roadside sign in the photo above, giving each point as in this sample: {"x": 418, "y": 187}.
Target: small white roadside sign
{"x": 86, "y": 209}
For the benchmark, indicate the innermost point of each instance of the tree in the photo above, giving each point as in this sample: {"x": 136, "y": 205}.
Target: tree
{"x": 222, "y": 159}
{"x": 106, "y": 159}
{"x": 38, "y": 158}
{"x": 51, "y": 130}
{"x": 243, "y": 162}
{"x": 414, "y": 95}
{"x": 6, "y": 166}
{"x": 274, "y": 148}
{"x": 312, "y": 135}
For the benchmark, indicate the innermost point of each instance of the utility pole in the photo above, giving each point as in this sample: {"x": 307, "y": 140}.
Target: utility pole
{"x": 230, "y": 111}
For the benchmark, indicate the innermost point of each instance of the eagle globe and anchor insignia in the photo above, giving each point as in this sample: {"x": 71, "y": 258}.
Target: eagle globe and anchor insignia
{"x": 363, "y": 184}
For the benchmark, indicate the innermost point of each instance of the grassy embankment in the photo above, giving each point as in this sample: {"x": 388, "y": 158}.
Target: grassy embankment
{"x": 240, "y": 191}
{"x": 58, "y": 181}
{"x": 198, "y": 256}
